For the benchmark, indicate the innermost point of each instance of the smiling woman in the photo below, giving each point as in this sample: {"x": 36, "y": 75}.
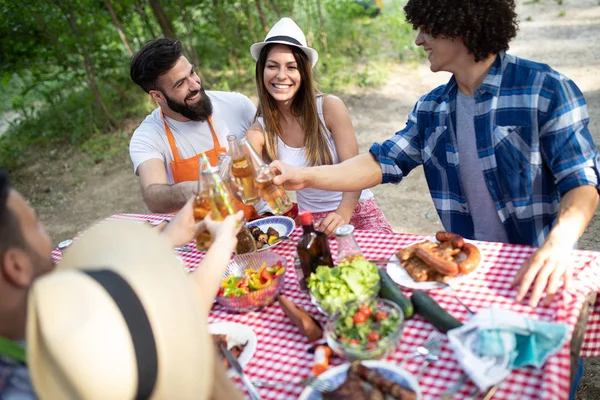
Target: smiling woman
{"x": 302, "y": 127}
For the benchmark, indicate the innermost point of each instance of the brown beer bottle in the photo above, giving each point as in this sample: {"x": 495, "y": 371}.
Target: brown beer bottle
{"x": 313, "y": 249}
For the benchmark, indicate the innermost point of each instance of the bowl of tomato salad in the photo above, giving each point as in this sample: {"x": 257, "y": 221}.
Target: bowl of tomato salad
{"x": 365, "y": 330}
{"x": 252, "y": 281}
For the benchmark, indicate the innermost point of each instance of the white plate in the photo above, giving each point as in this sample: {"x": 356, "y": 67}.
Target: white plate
{"x": 402, "y": 278}
{"x": 391, "y": 371}
{"x": 283, "y": 225}
{"x": 236, "y": 334}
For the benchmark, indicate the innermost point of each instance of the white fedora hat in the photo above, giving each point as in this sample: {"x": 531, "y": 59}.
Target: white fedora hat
{"x": 285, "y": 31}
{"x": 120, "y": 319}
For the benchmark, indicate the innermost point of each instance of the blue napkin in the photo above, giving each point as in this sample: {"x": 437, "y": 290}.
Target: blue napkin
{"x": 496, "y": 341}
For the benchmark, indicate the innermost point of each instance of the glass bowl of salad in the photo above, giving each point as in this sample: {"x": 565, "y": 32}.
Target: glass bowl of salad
{"x": 365, "y": 330}
{"x": 252, "y": 281}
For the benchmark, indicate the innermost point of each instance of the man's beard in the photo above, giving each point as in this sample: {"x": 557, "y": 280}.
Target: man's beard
{"x": 199, "y": 111}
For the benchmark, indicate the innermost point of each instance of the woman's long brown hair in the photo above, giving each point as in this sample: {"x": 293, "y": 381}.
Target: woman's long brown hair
{"x": 304, "y": 107}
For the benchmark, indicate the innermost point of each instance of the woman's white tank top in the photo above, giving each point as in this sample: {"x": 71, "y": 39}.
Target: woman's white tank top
{"x": 313, "y": 200}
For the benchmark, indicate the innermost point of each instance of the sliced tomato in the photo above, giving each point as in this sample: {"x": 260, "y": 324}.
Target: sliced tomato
{"x": 354, "y": 342}
{"x": 373, "y": 336}
{"x": 220, "y": 292}
{"x": 265, "y": 276}
{"x": 359, "y": 318}
{"x": 371, "y": 346}
{"x": 242, "y": 284}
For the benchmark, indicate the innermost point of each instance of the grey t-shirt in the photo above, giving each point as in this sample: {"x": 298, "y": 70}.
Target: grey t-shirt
{"x": 486, "y": 221}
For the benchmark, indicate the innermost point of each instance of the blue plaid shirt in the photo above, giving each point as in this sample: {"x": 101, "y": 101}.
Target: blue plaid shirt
{"x": 15, "y": 383}
{"x": 532, "y": 141}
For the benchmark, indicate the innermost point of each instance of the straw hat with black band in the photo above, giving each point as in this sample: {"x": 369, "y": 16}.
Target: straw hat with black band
{"x": 119, "y": 319}
{"x": 287, "y": 32}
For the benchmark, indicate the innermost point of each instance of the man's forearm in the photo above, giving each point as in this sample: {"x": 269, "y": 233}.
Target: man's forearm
{"x": 357, "y": 173}
{"x": 577, "y": 208}
{"x": 162, "y": 198}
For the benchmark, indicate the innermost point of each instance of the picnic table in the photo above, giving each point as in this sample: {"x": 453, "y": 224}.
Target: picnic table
{"x": 282, "y": 354}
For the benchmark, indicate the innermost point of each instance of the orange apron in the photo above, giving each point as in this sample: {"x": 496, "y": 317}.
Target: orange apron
{"x": 187, "y": 169}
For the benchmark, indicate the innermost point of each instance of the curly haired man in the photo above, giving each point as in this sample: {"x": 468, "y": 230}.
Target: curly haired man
{"x": 505, "y": 146}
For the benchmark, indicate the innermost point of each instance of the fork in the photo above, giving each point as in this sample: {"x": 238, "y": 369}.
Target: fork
{"x": 433, "y": 355}
{"x": 447, "y": 288}
{"x": 311, "y": 382}
{"x": 424, "y": 350}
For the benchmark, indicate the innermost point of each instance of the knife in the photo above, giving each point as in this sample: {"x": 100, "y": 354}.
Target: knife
{"x": 233, "y": 361}
{"x": 383, "y": 261}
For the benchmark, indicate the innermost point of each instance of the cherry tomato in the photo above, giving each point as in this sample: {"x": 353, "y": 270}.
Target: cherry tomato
{"x": 359, "y": 318}
{"x": 373, "y": 336}
{"x": 220, "y": 292}
{"x": 380, "y": 315}
{"x": 371, "y": 346}
{"x": 365, "y": 310}
{"x": 354, "y": 342}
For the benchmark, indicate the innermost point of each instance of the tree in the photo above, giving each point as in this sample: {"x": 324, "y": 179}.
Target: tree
{"x": 117, "y": 23}
{"x": 163, "y": 20}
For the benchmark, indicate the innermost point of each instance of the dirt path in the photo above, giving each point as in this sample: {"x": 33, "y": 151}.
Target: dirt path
{"x": 72, "y": 193}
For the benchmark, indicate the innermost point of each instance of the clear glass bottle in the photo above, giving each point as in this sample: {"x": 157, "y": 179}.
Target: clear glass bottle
{"x": 202, "y": 206}
{"x": 222, "y": 200}
{"x": 313, "y": 250}
{"x": 242, "y": 172}
{"x": 347, "y": 247}
{"x": 274, "y": 195}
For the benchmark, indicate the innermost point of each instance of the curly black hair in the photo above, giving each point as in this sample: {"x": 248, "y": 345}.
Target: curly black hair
{"x": 486, "y": 26}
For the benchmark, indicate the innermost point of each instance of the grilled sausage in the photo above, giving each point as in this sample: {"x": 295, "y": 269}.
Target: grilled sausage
{"x": 445, "y": 267}
{"x": 472, "y": 260}
{"x": 456, "y": 240}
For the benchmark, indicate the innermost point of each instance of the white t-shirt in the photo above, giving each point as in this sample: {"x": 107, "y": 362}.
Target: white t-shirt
{"x": 314, "y": 200}
{"x": 233, "y": 113}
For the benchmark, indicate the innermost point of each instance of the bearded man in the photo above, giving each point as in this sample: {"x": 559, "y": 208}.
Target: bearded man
{"x": 167, "y": 145}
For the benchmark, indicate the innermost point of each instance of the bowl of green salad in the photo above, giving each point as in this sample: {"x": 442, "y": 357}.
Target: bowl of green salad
{"x": 331, "y": 288}
{"x": 365, "y": 330}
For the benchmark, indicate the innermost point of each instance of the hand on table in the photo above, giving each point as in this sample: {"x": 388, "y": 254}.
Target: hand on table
{"x": 288, "y": 176}
{"x": 328, "y": 224}
{"x": 544, "y": 271}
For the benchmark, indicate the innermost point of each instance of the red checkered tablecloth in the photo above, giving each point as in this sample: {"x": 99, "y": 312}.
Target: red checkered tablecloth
{"x": 282, "y": 351}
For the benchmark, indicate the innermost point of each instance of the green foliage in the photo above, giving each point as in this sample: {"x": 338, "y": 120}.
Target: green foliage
{"x": 65, "y": 66}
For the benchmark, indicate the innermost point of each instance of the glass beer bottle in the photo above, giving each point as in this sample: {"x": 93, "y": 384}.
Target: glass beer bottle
{"x": 202, "y": 206}
{"x": 274, "y": 195}
{"x": 313, "y": 249}
{"x": 242, "y": 172}
{"x": 222, "y": 199}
